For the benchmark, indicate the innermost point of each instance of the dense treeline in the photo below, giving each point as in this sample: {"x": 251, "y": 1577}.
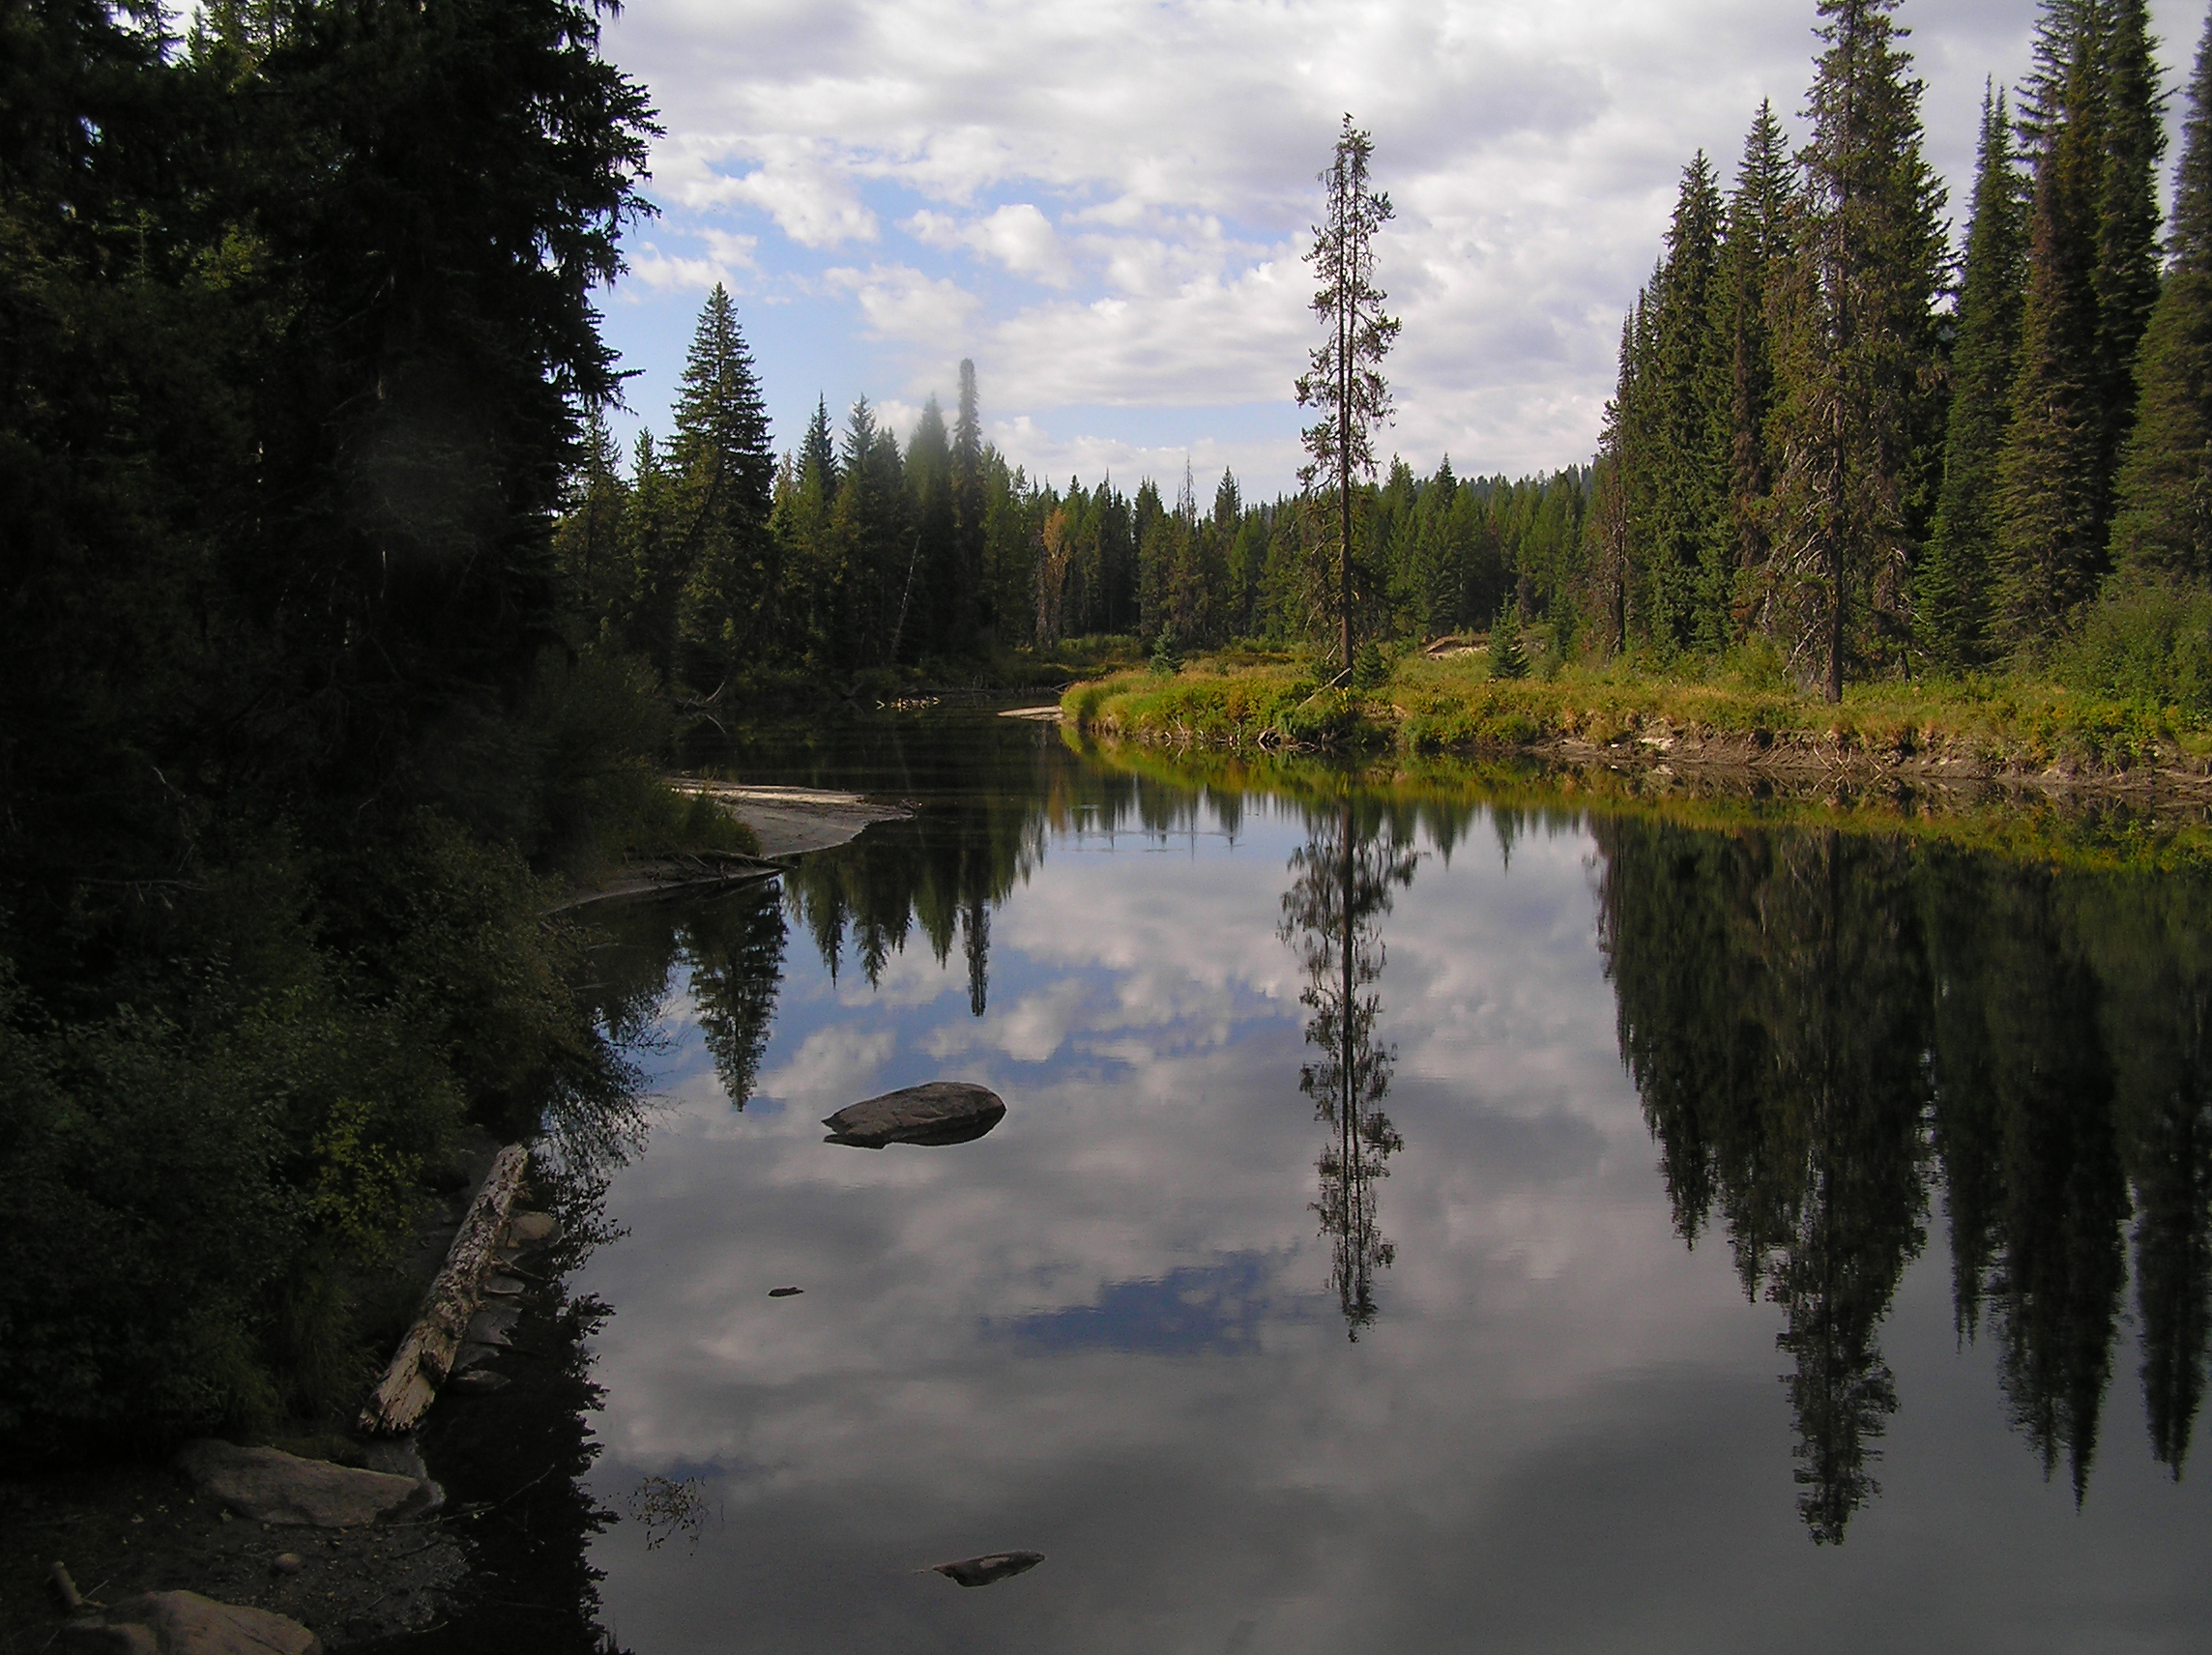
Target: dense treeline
{"x": 718, "y": 563}
{"x": 1808, "y": 447}
{"x": 294, "y": 340}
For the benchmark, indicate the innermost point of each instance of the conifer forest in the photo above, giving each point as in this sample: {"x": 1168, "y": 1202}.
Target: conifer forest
{"x": 341, "y": 637}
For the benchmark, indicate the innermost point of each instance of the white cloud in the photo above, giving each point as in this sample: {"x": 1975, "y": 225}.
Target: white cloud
{"x": 898, "y": 302}
{"x": 831, "y": 1068}
{"x": 1019, "y": 237}
{"x": 1153, "y": 168}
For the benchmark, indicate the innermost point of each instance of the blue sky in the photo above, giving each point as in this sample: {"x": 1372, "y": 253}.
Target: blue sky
{"x": 1105, "y": 203}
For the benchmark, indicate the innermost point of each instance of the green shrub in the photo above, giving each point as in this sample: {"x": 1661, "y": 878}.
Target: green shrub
{"x": 2151, "y": 646}
{"x": 1370, "y": 667}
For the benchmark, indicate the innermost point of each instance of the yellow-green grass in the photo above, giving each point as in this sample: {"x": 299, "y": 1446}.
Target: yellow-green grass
{"x": 1451, "y": 705}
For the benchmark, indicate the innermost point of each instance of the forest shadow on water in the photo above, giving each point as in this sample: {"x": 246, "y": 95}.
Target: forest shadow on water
{"x": 1853, "y": 1051}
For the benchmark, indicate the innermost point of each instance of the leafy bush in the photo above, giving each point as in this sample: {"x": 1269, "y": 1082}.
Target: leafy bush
{"x": 2151, "y": 646}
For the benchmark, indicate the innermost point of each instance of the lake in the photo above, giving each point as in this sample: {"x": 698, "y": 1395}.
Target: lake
{"x": 1425, "y": 1217}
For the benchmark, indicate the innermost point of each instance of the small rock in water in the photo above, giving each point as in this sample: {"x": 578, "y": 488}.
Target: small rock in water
{"x": 286, "y": 1563}
{"x": 533, "y": 1228}
{"x": 936, "y": 1111}
{"x": 983, "y": 1571}
{"x": 784, "y": 1293}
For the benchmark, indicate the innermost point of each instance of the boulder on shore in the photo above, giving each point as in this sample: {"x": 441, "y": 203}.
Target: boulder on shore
{"x": 184, "y": 1623}
{"x": 270, "y": 1486}
{"x": 936, "y": 1111}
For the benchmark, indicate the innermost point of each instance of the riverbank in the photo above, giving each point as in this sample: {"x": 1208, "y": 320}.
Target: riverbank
{"x": 2009, "y": 730}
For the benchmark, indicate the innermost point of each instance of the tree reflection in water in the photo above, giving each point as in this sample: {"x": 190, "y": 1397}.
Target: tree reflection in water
{"x": 1342, "y": 877}
{"x": 1823, "y": 1026}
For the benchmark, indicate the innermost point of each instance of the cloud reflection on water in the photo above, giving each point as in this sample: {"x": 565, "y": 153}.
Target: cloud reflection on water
{"x": 1096, "y": 1331}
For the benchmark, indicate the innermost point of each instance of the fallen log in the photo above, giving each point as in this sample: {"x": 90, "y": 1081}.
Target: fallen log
{"x": 426, "y": 1356}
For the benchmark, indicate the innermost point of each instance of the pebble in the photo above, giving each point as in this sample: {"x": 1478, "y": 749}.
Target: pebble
{"x": 286, "y": 1563}
{"x": 784, "y": 1293}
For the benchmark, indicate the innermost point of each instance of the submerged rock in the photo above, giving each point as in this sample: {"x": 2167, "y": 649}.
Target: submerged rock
{"x": 184, "y": 1623}
{"x": 270, "y": 1486}
{"x": 936, "y": 1111}
{"x": 997, "y": 1566}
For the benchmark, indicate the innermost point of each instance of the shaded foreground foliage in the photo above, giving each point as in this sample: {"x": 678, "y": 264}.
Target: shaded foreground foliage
{"x": 294, "y": 340}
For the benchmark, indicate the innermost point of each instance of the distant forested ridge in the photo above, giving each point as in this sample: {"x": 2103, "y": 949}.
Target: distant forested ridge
{"x": 718, "y": 562}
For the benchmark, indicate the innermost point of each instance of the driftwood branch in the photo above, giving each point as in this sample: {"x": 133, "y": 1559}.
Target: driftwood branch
{"x": 426, "y": 1356}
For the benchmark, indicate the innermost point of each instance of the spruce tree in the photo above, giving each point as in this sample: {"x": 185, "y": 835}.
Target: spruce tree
{"x": 818, "y": 454}
{"x": 2094, "y": 111}
{"x": 968, "y": 499}
{"x": 1344, "y": 378}
{"x": 2163, "y": 526}
{"x": 1951, "y": 607}
{"x": 2126, "y": 279}
{"x": 1688, "y": 513}
{"x": 1857, "y": 347}
{"x": 1756, "y": 243}
{"x": 727, "y": 468}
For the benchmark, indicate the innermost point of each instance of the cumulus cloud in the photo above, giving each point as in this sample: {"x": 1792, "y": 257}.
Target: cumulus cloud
{"x": 898, "y": 302}
{"x": 1151, "y": 168}
{"x": 1019, "y": 237}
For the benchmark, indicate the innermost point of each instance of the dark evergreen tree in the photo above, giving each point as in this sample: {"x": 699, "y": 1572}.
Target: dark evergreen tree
{"x": 1857, "y": 348}
{"x": 1687, "y": 522}
{"x": 2162, "y": 524}
{"x": 968, "y": 502}
{"x": 721, "y": 453}
{"x": 1952, "y": 586}
{"x": 2126, "y": 277}
{"x": 2051, "y": 481}
{"x": 1753, "y": 248}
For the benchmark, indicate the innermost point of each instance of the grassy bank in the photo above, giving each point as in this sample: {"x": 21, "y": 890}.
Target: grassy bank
{"x": 1737, "y": 714}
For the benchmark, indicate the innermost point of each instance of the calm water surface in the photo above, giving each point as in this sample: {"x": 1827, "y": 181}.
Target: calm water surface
{"x": 1414, "y": 1227}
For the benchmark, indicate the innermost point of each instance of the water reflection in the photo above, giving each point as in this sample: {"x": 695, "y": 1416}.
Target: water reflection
{"x": 1822, "y": 1028}
{"x": 1829, "y": 1034}
{"x": 1342, "y": 877}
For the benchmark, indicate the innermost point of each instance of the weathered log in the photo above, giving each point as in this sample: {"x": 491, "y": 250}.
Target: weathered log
{"x": 427, "y": 1354}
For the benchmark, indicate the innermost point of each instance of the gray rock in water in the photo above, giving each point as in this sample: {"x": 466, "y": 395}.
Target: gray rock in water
{"x": 997, "y": 1566}
{"x": 270, "y": 1486}
{"x": 184, "y": 1623}
{"x": 493, "y": 1323}
{"x": 936, "y": 1111}
{"x": 533, "y": 1228}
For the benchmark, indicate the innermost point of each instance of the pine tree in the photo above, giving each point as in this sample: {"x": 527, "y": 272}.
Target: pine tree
{"x": 1509, "y": 657}
{"x": 2126, "y": 279}
{"x": 1952, "y": 585}
{"x": 1344, "y": 378}
{"x": 1858, "y": 350}
{"x": 968, "y": 500}
{"x": 2050, "y": 478}
{"x": 2163, "y": 526}
{"x": 1688, "y": 510}
{"x": 728, "y": 470}
{"x": 1752, "y": 250}
{"x": 818, "y": 454}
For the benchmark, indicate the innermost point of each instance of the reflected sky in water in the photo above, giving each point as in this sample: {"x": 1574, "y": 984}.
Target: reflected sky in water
{"x": 1112, "y": 1331}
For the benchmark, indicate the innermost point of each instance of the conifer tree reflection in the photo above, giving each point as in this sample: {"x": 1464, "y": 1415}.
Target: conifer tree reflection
{"x": 734, "y": 948}
{"x": 1770, "y": 993}
{"x": 1344, "y": 877}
